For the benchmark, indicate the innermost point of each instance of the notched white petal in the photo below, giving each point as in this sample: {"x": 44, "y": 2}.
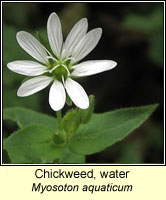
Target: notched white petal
{"x": 75, "y": 35}
{"x": 87, "y": 44}
{"x": 33, "y": 85}
{"x": 32, "y": 46}
{"x": 28, "y": 68}
{"x": 88, "y": 68}
{"x": 57, "y": 96}
{"x": 54, "y": 31}
{"x": 77, "y": 93}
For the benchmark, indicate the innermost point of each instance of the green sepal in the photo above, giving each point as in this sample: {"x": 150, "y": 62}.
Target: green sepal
{"x": 85, "y": 115}
{"x": 71, "y": 122}
{"x": 75, "y": 117}
{"x": 68, "y": 100}
{"x": 43, "y": 41}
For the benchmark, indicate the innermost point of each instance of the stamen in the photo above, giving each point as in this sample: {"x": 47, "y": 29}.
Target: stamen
{"x": 50, "y": 55}
{"x": 70, "y": 58}
{"x": 68, "y": 73}
{"x": 53, "y": 68}
{"x": 52, "y": 58}
{"x": 48, "y": 52}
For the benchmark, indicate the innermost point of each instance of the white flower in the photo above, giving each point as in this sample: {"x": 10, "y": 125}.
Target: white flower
{"x": 60, "y": 65}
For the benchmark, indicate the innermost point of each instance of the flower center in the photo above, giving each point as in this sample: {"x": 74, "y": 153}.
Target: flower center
{"x": 59, "y": 68}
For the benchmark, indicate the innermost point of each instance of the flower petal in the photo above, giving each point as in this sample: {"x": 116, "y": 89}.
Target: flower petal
{"x": 57, "y": 96}
{"x": 77, "y": 93}
{"x": 76, "y": 34}
{"x": 33, "y": 85}
{"x": 87, "y": 44}
{"x": 32, "y": 46}
{"x": 28, "y": 68}
{"x": 54, "y": 31}
{"x": 88, "y": 68}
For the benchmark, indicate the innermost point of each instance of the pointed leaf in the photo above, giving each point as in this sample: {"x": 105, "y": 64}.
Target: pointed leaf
{"x": 105, "y": 129}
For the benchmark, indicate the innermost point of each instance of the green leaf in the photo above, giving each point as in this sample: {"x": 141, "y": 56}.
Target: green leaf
{"x": 105, "y": 129}
{"x": 32, "y": 144}
{"x": 24, "y": 116}
{"x": 70, "y": 157}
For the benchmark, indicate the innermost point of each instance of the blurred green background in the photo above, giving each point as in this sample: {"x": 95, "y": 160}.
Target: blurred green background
{"x": 132, "y": 36}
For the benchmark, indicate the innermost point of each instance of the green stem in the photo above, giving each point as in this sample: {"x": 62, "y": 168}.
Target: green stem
{"x": 59, "y": 118}
{"x": 60, "y": 126}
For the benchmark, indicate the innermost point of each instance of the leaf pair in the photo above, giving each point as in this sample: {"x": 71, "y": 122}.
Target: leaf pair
{"x": 34, "y": 142}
